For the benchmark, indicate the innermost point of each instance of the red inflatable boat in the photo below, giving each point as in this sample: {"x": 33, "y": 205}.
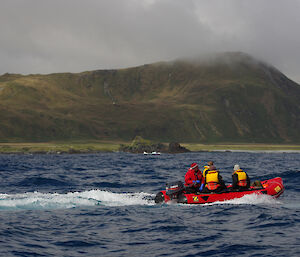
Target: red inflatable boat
{"x": 176, "y": 192}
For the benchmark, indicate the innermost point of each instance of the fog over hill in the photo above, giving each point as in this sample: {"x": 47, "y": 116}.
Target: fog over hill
{"x": 75, "y": 35}
{"x": 228, "y": 97}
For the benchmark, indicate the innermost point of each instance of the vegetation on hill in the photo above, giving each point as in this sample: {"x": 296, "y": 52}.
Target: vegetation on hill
{"x": 228, "y": 98}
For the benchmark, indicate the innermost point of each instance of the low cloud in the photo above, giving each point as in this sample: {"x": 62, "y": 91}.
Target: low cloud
{"x": 74, "y": 35}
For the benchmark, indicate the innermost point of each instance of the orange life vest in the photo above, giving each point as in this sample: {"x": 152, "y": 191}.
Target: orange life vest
{"x": 212, "y": 180}
{"x": 242, "y": 178}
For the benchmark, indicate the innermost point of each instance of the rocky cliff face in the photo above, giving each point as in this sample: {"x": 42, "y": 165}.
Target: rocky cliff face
{"x": 229, "y": 97}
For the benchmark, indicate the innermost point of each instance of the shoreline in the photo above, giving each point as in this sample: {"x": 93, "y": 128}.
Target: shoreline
{"x": 58, "y": 147}
{"x": 110, "y": 146}
{"x": 242, "y": 147}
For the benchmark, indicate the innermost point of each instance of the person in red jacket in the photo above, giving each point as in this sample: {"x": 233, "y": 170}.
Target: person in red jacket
{"x": 194, "y": 180}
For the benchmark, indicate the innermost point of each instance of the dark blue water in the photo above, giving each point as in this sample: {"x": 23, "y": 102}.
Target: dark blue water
{"x": 100, "y": 205}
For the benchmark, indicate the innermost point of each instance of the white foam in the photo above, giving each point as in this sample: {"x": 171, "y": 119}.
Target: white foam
{"x": 37, "y": 200}
{"x": 252, "y": 199}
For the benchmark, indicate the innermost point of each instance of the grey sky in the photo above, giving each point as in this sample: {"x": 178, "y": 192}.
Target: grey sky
{"x": 45, "y": 36}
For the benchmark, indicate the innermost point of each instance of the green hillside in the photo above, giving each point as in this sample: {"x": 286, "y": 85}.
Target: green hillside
{"x": 228, "y": 97}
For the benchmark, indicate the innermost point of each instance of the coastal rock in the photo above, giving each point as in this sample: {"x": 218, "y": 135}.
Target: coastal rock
{"x": 140, "y": 145}
{"x": 175, "y": 147}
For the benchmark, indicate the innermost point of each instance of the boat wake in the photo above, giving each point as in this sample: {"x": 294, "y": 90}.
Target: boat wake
{"x": 37, "y": 200}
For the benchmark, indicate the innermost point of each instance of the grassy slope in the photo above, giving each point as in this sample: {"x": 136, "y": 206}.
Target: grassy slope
{"x": 51, "y": 147}
{"x": 107, "y": 146}
{"x": 235, "y": 99}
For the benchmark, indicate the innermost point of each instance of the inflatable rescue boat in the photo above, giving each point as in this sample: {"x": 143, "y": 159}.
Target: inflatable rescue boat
{"x": 176, "y": 192}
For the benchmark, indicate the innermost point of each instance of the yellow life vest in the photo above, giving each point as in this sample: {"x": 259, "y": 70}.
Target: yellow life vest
{"x": 205, "y": 170}
{"x": 212, "y": 179}
{"x": 242, "y": 177}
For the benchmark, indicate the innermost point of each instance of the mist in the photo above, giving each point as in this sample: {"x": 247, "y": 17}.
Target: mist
{"x": 75, "y": 36}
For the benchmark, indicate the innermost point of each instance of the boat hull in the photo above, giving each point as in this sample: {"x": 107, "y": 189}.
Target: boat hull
{"x": 273, "y": 187}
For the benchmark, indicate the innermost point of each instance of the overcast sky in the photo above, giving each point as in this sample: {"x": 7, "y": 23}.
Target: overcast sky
{"x": 45, "y": 36}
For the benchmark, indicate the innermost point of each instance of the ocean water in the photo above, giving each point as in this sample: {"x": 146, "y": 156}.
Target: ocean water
{"x": 102, "y": 205}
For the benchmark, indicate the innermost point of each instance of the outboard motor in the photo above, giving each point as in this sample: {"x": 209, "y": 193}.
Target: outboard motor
{"x": 174, "y": 189}
{"x": 159, "y": 198}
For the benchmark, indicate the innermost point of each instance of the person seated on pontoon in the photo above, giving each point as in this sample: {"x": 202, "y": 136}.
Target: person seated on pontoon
{"x": 240, "y": 179}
